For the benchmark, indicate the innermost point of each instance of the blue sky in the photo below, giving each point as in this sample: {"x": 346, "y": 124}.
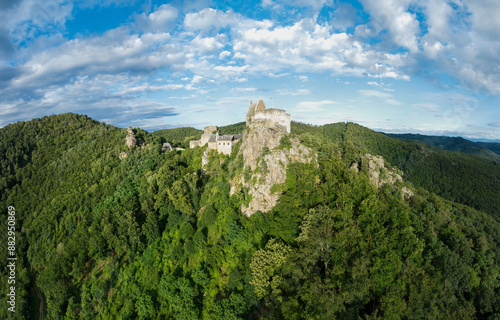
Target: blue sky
{"x": 429, "y": 66}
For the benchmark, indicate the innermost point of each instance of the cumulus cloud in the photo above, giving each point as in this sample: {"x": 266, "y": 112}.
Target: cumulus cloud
{"x": 161, "y": 20}
{"x": 116, "y": 51}
{"x": 428, "y": 106}
{"x": 297, "y": 92}
{"x": 96, "y": 97}
{"x": 244, "y": 90}
{"x": 387, "y": 97}
{"x": 393, "y": 16}
{"x": 344, "y": 17}
{"x": 224, "y": 54}
{"x": 208, "y": 19}
{"x": 208, "y": 44}
{"x": 313, "y": 106}
{"x": 313, "y": 4}
{"x": 306, "y": 46}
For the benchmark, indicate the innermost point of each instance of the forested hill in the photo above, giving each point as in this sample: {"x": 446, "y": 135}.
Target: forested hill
{"x": 457, "y": 144}
{"x": 460, "y": 177}
{"x": 104, "y": 231}
{"x": 493, "y": 146}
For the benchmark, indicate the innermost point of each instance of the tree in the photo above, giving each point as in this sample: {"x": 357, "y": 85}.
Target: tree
{"x": 267, "y": 267}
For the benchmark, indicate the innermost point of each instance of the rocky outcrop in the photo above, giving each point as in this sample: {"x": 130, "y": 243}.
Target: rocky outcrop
{"x": 130, "y": 140}
{"x": 378, "y": 174}
{"x": 266, "y": 159}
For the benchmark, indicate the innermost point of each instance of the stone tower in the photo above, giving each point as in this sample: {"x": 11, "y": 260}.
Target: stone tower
{"x": 254, "y": 108}
{"x": 257, "y": 113}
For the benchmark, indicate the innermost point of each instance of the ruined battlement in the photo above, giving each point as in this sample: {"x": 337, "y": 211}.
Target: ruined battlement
{"x": 269, "y": 117}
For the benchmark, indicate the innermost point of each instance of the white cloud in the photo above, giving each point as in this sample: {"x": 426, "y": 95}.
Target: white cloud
{"x": 224, "y": 54}
{"x": 160, "y": 20}
{"x": 208, "y": 44}
{"x": 312, "y": 106}
{"x": 208, "y": 19}
{"x": 97, "y": 97}
{"x": 116, "y": 51}
{"x": 387, "y": 97}
{"x": 344, "y": 16}
{"x": 428, "y": 106}
{"x": 296, "y": 92}
{"x": 244, "y": 90}
{"x": 308, "y": 47}
{"x": 393, "y": 15}
{"x": 313, "y": 4}
{"x": 231, "y": 71}
{"x": 201, "y": 80}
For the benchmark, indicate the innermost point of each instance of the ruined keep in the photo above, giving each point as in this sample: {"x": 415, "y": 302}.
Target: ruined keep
{"x": 257, "y": 113}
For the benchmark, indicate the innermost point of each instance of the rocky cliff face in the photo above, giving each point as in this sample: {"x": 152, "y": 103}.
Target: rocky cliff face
{"x": 266, "y": 159}
{"x": 378, "y": 173}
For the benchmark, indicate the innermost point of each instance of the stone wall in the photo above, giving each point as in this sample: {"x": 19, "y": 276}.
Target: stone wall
{"x": 226, "y": 147}
{"x": 210, "y": 129}
{"x": 194, "y": 143}
{"x": 204, "y": 138}
{"x": 274, "y": 116}
{"x": 212, "y": 145}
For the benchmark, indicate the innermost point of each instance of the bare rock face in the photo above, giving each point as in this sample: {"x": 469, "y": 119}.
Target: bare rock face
{"x": 379, "y": 174}
{"x": 130, "y": 140}
{"x": 267, "y": 162}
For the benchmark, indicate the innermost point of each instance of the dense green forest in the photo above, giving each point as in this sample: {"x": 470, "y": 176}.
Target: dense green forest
{"x": 147, "y": 236}
{"x": 457, "y": 144}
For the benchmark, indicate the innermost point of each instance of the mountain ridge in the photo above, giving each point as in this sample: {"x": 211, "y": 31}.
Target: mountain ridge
{"x": 457, "y": 144}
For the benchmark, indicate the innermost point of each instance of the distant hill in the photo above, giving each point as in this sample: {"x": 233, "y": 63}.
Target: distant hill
{"x": 233, "y": 128}
{"x": 493, "y": 146}
{"x": 179, "y": 137}
{"x": 457, "y": 144}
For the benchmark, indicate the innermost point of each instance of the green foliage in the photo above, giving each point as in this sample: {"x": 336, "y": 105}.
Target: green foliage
{"x": 236, "y": 128}
{"x": 179, "y": 137}
{"x": 149, "y": 237}
{"x": 285, "y": 142}
{"x": 266, "y": 266}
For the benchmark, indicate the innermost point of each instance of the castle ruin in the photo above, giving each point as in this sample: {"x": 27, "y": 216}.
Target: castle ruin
{"x": 257, "y": 115}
